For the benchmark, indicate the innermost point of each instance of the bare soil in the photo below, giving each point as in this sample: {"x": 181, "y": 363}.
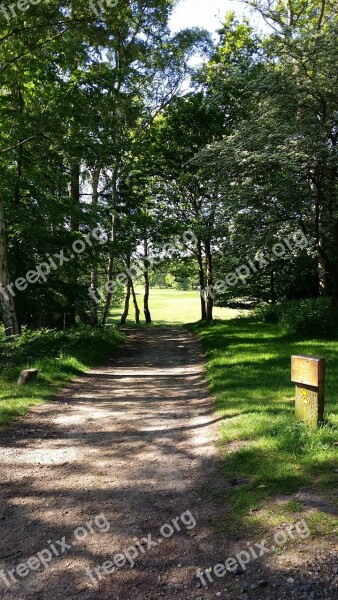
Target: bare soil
{"x": 134, "y": 442}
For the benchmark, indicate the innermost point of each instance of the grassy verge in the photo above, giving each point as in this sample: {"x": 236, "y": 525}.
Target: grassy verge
{"x": 267, "y": 455}
{"x": 58, "y": 356}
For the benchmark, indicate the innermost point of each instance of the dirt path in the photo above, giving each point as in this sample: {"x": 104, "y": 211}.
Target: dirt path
{"x": 129, "y": 448}
{"x": 132, "y": 440}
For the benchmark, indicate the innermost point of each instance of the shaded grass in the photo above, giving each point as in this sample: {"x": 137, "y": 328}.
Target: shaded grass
{"x": 69, "y": 355}
{"x": 249, "y": 375}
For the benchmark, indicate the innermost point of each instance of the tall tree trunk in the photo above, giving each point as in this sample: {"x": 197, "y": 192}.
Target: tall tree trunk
{"x": 74, "y": 189}
{"x": 209, "y": 301}
{"x": 334, "y": 301}
{"x": 201, "y": 281}
{"x": 9, "y": 317}
{"x": 94, "y": 276}
{"x": 16, "y": 246}
{"x": 137, "y": 310}
{"x": 74, "y": 196}
{"x": 19, "y": 160}
{"x": 109, "y": 294}
{"x": 147, "y": 314}
{"x": 322, "y": 288}
{"x": 272, "y": 287}
{"x": 126, "y": 304}
{"x": 322, "y": 281}
{"x": 333, "y": 267}
{"x": 114, "y": 191}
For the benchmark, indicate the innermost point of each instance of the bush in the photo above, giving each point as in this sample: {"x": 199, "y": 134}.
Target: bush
{"x": 35, "y": 344}
{"x": 313, "y": 316}
{"x": 268, "y": 313}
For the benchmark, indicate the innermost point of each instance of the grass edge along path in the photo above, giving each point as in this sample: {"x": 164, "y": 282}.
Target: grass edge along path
{"x": 271, "y": 461}
{"x": 59, "y": 357}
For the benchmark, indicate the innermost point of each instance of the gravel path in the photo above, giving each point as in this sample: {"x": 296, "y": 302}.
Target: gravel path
{"x": 121, "y": 461}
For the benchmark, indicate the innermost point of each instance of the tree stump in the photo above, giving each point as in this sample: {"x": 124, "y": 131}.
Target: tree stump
{"x": 27, "y": 376}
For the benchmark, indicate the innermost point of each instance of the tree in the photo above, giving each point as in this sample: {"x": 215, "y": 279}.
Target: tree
{"x": 79, "y": 86}
{"x": 278, "y": 167}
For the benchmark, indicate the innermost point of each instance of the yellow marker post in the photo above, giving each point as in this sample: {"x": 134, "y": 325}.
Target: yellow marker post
{"x": 308, "y": 373}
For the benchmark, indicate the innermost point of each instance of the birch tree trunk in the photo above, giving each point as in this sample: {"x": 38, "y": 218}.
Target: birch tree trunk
{"x": 126, "y": 304}
{"x": 201, "y": 281}
{"x": 209, "y": 301}
{"x": 322, "y": 281}
{"x": 137, "y": 310}
{"x": 146, "y": 310}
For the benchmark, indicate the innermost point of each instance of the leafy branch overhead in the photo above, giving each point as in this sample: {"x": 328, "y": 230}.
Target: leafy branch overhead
{"x": 109, "y": 121}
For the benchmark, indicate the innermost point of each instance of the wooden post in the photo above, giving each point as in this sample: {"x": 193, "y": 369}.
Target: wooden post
{"x": 27, "y": 376}
{"x": 308, "y": 373}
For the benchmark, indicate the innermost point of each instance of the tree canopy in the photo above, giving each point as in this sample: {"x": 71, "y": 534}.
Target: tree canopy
{"x": 112, "y": 145}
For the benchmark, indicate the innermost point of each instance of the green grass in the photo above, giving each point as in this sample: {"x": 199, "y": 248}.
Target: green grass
{"x": 271, "y": 455}
{"x": 59, "y": 357}
{"x": 266, "y": 453}
{"x": 171, "y": 307}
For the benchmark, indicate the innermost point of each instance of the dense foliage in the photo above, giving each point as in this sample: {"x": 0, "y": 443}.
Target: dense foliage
{"x": 112, "y": 146}
{"x": 78, "y": 342}
{"x": 309, "y": 317}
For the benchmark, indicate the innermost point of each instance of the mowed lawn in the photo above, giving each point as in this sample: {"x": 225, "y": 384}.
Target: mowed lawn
{"x": 170, "y": 307}
{"x": 271, "y": 459}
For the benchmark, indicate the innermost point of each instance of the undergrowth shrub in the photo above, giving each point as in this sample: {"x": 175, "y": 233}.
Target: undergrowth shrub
{"x": 310, "y": 317}
{"x": 80, "y": 342}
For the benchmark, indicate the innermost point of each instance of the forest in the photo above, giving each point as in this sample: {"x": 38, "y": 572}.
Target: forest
{"x": 116, "y": 141}
{"x": 168, "y": 246}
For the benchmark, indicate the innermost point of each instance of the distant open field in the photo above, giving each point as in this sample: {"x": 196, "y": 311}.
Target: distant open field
{"x": 171, "y": 307}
